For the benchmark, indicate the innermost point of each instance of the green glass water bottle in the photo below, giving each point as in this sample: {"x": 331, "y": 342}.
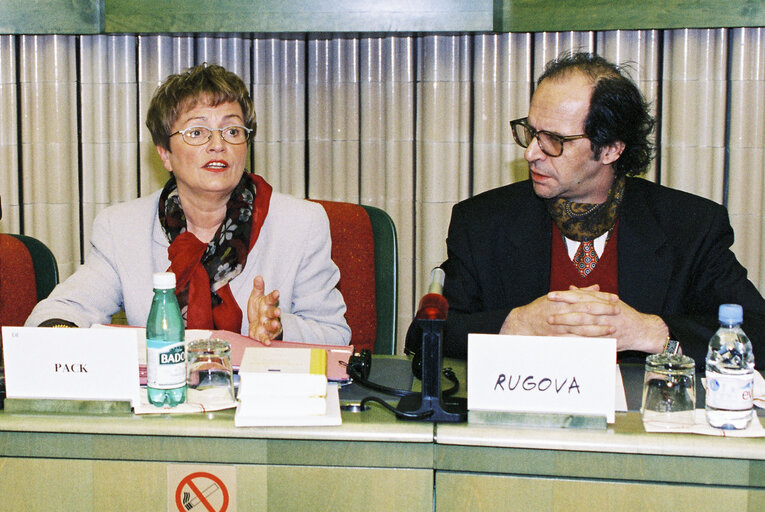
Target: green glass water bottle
{"x": 165, "y": 349}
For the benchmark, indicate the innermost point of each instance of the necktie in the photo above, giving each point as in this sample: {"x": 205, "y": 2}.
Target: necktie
{"x": 585, "y": 258}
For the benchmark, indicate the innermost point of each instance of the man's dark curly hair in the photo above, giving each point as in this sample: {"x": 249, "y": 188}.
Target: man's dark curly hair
{"x": 618, "y": 111}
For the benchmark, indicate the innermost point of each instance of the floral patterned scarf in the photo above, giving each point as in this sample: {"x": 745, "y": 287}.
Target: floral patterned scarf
{"x": 203, "y": 271}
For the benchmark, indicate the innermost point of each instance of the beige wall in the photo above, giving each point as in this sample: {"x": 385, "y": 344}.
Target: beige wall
{"x": 411, "y": 124}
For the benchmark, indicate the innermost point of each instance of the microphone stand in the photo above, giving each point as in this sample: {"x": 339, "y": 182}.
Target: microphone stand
{"x": 430, "y": 404}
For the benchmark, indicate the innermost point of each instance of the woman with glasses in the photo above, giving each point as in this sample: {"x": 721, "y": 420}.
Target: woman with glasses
{"x": 223, "y": 231}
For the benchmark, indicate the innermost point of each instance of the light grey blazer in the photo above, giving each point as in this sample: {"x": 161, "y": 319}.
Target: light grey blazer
{"x": 128, "y": 245}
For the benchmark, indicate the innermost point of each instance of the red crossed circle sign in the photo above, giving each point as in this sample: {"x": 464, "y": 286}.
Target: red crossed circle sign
{"x": 201, "y": 491}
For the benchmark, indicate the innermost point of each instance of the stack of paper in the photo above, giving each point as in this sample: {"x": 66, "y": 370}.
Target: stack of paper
{"x": 285, "y": 386}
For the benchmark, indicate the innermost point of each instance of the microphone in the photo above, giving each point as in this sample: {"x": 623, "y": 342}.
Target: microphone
{"x": 433, "y": 305}
{"x": 424, "y": 342}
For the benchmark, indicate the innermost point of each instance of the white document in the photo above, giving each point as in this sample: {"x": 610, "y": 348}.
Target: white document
{"x": 145, "y": 407}
{"x": 70, "y": 364}
{"x": 330, "y": 418}
{"x": 544, "y": 374}
{"x": 701, "y": 426}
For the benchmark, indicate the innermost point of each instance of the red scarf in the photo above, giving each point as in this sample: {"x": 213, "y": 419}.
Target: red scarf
{"x": 185, "y": 253}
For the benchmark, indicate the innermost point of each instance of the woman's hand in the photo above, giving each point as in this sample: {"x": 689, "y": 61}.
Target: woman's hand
{"x": 263, "y": 313}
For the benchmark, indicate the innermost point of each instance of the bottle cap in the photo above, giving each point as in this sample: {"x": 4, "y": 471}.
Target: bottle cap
{"x": 164, "y": 280}
{"x": 730, "y": 314}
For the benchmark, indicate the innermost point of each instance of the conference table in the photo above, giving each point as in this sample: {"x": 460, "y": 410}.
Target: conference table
{"x": 115, "y": 461}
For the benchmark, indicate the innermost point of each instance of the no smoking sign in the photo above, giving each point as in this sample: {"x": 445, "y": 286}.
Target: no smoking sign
{"x": 201, "y": 489}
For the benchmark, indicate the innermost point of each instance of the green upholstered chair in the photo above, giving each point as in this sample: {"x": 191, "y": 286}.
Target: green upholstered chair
{"x": 386, "y": 278}
{"x": 364, "y": 249}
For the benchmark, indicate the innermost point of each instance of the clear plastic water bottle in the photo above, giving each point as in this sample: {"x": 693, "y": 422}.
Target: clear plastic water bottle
{"x": 165, "y": 350}
{"x": 730, "y": 372}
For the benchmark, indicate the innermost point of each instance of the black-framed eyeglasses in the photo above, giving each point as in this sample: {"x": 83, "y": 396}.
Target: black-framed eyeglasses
{"x": 198, "y": 135}
{"x": 550, "y": 143}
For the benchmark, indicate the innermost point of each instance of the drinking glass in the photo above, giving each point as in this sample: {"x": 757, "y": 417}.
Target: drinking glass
{"x": 669, "y": 390}
{"x": 209, "y": 375}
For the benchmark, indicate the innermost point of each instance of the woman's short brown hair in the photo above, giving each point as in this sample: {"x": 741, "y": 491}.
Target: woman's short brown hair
{"x": 211, "y": 84}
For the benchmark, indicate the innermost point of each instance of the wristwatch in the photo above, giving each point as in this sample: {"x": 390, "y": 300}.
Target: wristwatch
{"x": 671, "y": 346}
{"x": 56, "y": 322}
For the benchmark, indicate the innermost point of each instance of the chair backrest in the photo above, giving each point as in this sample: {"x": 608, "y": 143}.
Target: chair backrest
{"x": 364, "y": 249}
{"x": 28, "y": 273}
{"x": 46, "y": 268}
{"x": 386, "y": 278}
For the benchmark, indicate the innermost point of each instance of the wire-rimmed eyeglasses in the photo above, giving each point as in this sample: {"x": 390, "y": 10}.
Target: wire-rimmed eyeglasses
{"x": 198, "y": 135}
{"x": 550, "y": 143}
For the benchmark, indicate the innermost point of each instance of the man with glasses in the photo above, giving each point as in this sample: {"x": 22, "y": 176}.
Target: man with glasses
{"x": 583, "y": 247}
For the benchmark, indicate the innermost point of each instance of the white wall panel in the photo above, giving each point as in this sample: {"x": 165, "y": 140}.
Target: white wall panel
{"x": 387, "y": 113}
{"x": 279, "y": 93}
{"x": 109, "y": 124}
{"x": 333, "y": 118}
{"x": 443, "y": 159}
{"x": 49, "y": 145}
{"x": 693, "y": 111}
{"x": 9, "y": 162}
{"x": 232, "y": 51}
{"x": 747, "y": 147}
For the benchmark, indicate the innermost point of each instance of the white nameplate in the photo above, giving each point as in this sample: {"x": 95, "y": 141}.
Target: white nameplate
{"x": 71, "y": 364}
{"x": 566, "y": 375}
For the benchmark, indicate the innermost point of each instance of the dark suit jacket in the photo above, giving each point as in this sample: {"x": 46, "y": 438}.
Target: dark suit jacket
{"x": 674, "y": 261}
